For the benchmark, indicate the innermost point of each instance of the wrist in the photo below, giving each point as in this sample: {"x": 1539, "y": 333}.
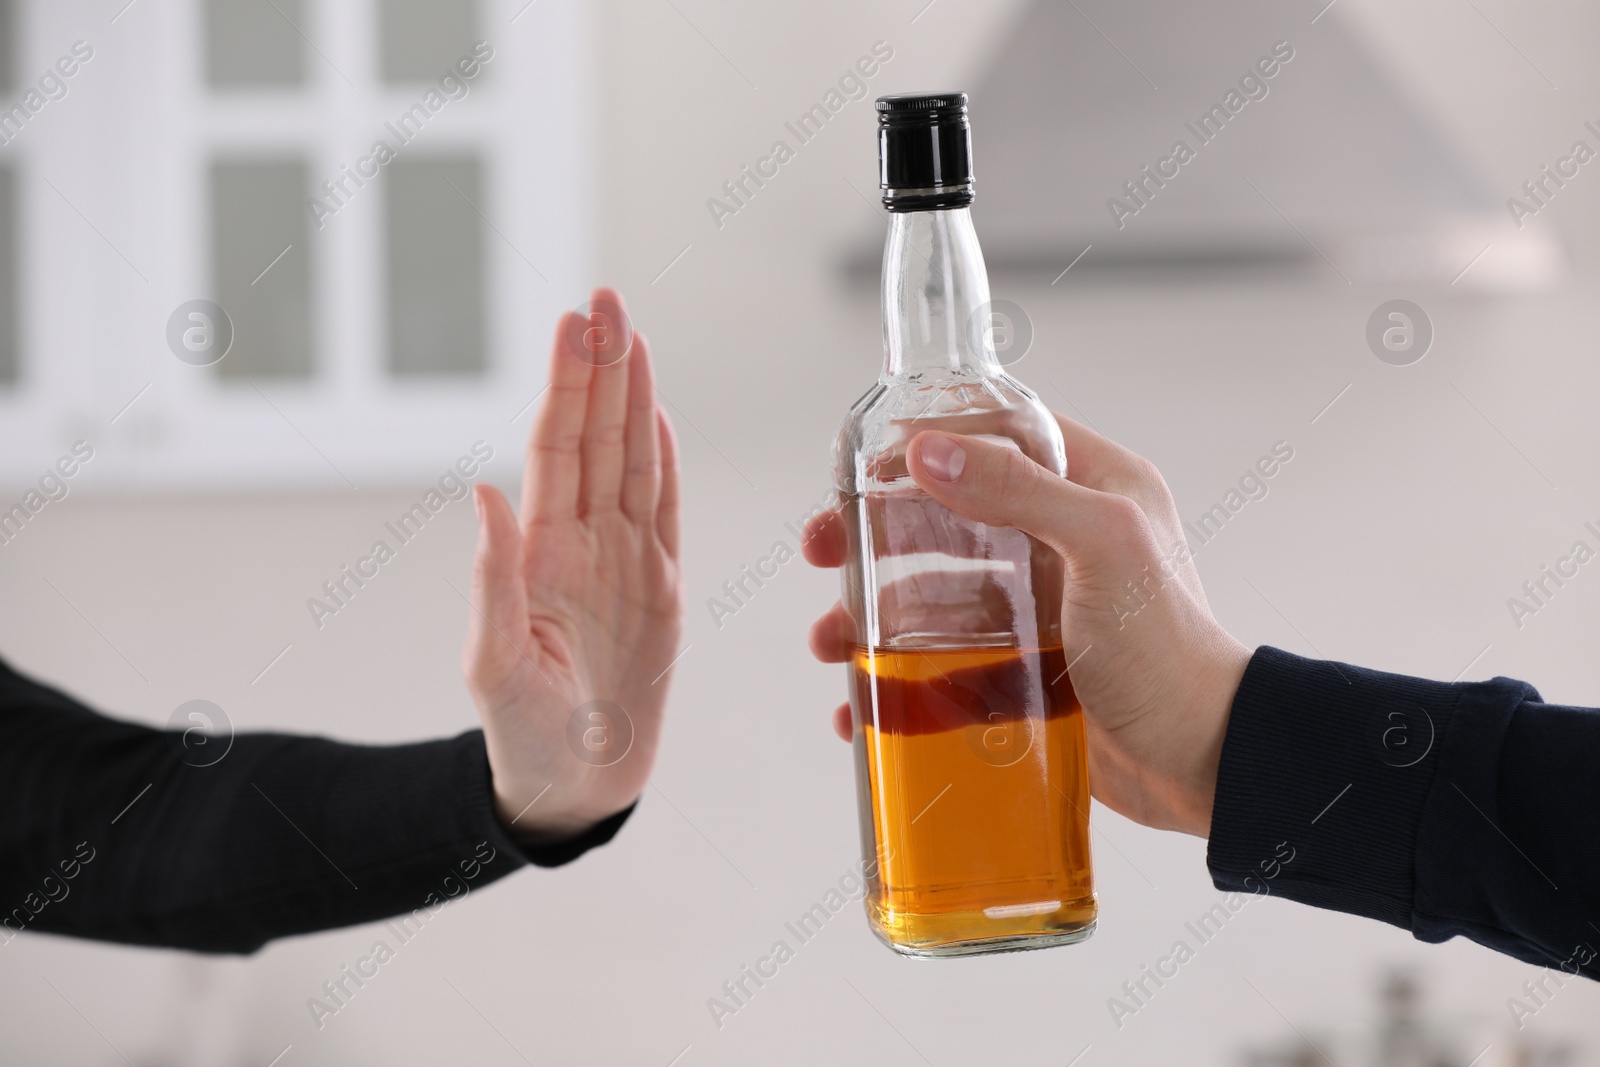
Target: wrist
{"x": 540, "y": 816}
{"x": 553, "y": 812}
{"x": 553, "y": 843}
{"x": 1219, "y": 683}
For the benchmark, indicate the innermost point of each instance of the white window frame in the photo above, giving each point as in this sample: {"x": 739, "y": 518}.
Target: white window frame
{"x": 128, "y": 152}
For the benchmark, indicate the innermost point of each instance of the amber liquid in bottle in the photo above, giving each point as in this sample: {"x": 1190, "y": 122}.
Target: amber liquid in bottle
{"x": 975, "y": 759}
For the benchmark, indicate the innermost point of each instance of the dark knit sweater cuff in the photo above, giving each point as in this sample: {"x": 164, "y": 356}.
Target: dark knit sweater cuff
{"x": 1325, "y": 777}
{"x": 563, "y": 852}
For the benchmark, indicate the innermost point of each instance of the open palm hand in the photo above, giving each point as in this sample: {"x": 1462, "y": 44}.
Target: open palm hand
{"x": 578, "y": 603}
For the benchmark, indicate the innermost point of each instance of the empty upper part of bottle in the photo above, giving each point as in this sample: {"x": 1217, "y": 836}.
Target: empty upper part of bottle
{"x": 939, "y": 367}
{"x": 935, "y": 287}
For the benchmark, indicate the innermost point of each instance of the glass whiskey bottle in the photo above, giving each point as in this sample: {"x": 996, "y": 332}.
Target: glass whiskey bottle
{"x": 969, "y": 744}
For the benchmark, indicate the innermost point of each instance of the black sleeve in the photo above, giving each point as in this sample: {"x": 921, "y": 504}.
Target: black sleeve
{"x": 110, "y": 830}
{"x": 1470, "y": 808}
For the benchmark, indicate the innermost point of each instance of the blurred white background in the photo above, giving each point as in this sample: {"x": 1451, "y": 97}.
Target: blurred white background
{"x": 1221, "y": 319}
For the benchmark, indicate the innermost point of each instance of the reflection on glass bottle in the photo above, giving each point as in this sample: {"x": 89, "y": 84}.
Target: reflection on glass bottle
{"x": 969, "y": 742}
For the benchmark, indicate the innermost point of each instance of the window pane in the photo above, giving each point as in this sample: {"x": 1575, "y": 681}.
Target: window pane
{"x": 8, "y": 276}
{"x": 260, "y": 256}
{"x": 421, "y": 39}
{"x": 435, "y": 263}
{"x": 254, "y": 43}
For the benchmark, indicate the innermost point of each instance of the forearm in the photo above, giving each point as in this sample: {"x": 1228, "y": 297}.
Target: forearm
{"x": 286, "y": 835}
{"x": 1442, "y": 808}
{"x": 283, "y": 835}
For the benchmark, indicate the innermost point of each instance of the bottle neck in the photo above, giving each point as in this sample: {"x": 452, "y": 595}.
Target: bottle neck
{"x": 935, "y": 296}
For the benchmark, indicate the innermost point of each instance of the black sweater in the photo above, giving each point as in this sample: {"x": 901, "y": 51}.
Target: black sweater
{"x": 1445, "y": 809}
{"x": 109, "y": 830}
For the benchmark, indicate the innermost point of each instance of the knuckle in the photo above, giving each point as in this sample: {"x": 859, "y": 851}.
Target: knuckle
{"x": 1143, "y": 471}
{"x": 560, "y": 445}
{"x": 1125, "y": 519}
{"x": 1141, "y": 481}
{"x": 611, "y": 436}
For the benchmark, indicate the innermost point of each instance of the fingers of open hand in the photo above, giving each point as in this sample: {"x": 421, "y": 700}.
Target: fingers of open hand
{"x": 595, "y": 445}
{"x": 605, "y": 422}
{"x": 832, "y": 637}
{"x": 667, "y": 504}
{"x": 499, "y": 615}
{"x": 552, "y": 473}
{"x": 641, "y": 476}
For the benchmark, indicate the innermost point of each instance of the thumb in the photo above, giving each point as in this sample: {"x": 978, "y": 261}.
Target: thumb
{"x": 499, "y": 596}
{"x": 997, "y": 485}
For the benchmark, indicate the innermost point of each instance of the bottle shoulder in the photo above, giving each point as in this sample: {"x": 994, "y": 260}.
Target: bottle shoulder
{"x": 869, "y": 451}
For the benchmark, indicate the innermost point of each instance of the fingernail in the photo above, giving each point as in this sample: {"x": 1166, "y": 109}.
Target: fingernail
{"x": 942, "y": 457}
{"x": 477, "y": 508}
